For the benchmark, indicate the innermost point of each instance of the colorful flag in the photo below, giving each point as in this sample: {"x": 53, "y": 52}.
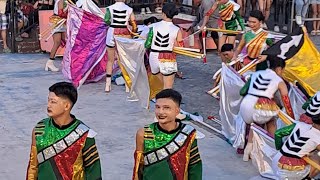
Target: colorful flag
{"x": 302, "y": 59}
{"x": 85, "y": 55}
{"x": 143, "y": 86}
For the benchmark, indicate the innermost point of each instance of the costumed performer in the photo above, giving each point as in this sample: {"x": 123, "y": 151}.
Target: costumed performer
{"x": 302, "y": 140}
{"x": 161, "y": 39}
{"x": 63, "y": 147}
{"x": 258, "y": 105}
{"x": 167, "y": 149}
{"x": 255, "y": 41}
{"x": 230, "y": 16}
{"x": 117, "y": 17}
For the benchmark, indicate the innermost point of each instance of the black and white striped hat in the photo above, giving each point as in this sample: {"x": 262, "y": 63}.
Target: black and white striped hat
{"x": 313, "y": 109}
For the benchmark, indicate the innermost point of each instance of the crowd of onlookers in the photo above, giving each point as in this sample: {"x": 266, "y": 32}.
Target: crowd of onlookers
{"x": 26, "y": 13}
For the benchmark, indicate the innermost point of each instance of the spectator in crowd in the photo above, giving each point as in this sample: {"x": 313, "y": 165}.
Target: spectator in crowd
{"x": 315, "y": 14}
{"x": 265, "y": 7}
{"x": 22, "y": 21}
{"x": 282, "y": 9}
{"x": 144, "y": 7}
{"x": 4, "y": 22}
{"x": 301, "y": 10}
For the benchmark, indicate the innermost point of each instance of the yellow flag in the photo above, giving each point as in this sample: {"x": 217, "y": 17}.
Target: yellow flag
{"x": 302, "y": 59}
{"x": 304, "y": 67}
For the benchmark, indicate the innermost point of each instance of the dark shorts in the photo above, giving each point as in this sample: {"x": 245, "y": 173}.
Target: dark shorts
{"x": 226, "y": 34}
{"x": 214, "y": 35}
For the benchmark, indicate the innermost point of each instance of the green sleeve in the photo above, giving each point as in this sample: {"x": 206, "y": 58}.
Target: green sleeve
{"x": 195, "y": 163}
{"x": 91, "y": 160}
{"x": 269, "y": 42}
{"x": 244, "y": 90}
{"x": 307, "y": 103}
{"x": 148, "y": 42}
{"x": 280, "y": 133}
{"x": 240, "y": 19}
{"x": 107, "y": 17}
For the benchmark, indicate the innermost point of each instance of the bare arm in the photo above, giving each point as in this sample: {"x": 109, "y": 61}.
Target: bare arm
{"x": 208, "y": 14}
{"x": 180, "y": 39}
{"x": 133, "y": 23}
{"x": 239, "y": 49}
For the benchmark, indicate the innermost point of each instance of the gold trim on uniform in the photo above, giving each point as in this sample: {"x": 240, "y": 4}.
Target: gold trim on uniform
{"x": 90, "y": 155}
{"x": 291, "y": 168}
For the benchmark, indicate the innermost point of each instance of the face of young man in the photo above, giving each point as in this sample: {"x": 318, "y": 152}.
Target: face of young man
{"x": 254, "y": 23}
{"x": 166, "y": 110}
{"x": 227, "y": 54}
{"x": 57, "y": 105}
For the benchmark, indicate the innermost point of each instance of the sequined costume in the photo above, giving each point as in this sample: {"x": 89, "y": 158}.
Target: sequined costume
{"x": 117, "y": 17}
{"x": 161, "y": 38}
{"x": 168, "y": 155}
{"x": 230, "y": 16}
{"x": 258, "y": 105}
{"x": 303, "y": 139}
{"x": 68, "y": 152}
{"x": 255, "y": 43}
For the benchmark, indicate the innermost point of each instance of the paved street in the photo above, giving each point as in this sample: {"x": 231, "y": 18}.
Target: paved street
{"x": 24, "y": 88}
{"x": 23, "y": 91}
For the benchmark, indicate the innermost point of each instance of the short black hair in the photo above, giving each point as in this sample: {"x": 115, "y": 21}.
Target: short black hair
{"x": 257, "y": 14}
{"x": 275, "y": 61}
{"x": 151, "y": 20}
{"x": 171, "y": 94}
{"x": 226, "y": 47}
{"x": 65, "y": 90}
{"x": 170, "y": 10}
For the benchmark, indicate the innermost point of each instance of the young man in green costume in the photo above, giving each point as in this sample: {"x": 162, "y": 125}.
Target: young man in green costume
{"x": 167, "y": 149}
{"x": 63, "y": 147}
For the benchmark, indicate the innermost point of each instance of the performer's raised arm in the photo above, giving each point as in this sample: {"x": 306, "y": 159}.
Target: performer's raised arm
{"x": 32, "y": 171}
